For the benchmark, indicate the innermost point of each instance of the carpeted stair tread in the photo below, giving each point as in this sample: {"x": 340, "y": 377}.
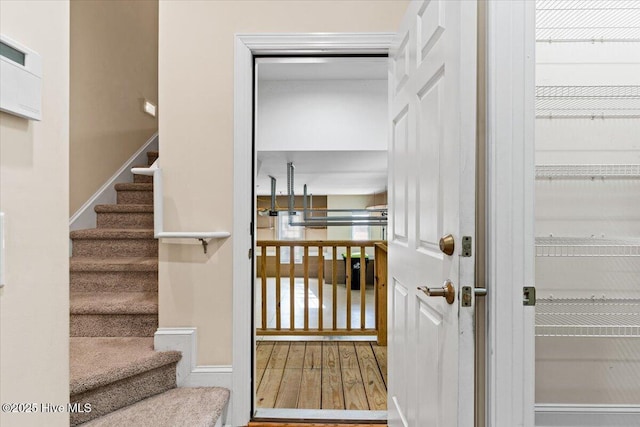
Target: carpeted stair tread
{"x": 111, "y": 233}
{"x": 80, "y": 264}
{"x": 95, "y": 362}
{"x": 113, "y": 302}
{"x": 124, "y": 209}
{"x": 179, "y": 407}
{"x": 134, "y": 186}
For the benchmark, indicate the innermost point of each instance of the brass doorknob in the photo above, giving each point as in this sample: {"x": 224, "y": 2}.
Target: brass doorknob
{"x": 447, "y": 291}
{"x": 447, "y": 245}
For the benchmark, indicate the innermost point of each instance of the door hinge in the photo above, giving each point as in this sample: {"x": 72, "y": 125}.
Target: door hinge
{"x": 466, "y": 246}
{"x": 250, "y": 253}
{"x": 529, "y": 295}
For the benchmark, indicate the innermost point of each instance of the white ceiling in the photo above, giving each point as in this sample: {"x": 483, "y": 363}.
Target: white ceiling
{"x": 324, "y": 172}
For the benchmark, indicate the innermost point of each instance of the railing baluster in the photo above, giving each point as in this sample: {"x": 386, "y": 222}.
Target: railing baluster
{"x": 306, "y": 287}
{"x": 320, "y": 287}
{"x": 347, "y": 275}
{"x": 363, "y": 286}
{"x": 278, "y": 292}
{"x": 263, "y": 265}
{"x": 334, "y": 281}
{"x": 306, "y": 324}
{"x": 292, "y": 288}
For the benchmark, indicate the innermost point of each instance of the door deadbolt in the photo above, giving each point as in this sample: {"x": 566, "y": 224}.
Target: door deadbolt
{"x": 447, "y": 245}
{"x": 447, "y": 291}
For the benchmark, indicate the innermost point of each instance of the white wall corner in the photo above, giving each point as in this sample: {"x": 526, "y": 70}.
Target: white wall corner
{"x": 188, "y": 373}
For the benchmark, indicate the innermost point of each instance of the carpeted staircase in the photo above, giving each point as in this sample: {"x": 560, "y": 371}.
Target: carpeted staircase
{"x": 114, "y": 314}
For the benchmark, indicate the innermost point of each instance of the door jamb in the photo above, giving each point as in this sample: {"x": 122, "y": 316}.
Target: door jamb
{"x": 510, "y": 121}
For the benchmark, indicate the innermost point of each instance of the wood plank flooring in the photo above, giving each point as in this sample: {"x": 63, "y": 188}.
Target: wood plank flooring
{"x": 321, "y": 375}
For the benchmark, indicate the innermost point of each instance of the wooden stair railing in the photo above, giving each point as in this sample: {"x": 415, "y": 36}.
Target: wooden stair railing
{"x": 270, "y": 256}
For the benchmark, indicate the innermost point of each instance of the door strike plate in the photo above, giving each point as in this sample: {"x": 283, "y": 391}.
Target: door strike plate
{"x": 466, "y": 246}
{"x": 466, "y": 297}
{"x": 529, "y": 295}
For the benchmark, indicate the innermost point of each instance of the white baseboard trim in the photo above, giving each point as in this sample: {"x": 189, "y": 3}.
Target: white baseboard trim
{"x": 85, "y": 217}
{"x": 188, "y": 373}
{"x": 559, "y": 415}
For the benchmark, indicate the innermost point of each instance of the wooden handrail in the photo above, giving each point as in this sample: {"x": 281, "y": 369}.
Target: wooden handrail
{"x": 268, "y": 257}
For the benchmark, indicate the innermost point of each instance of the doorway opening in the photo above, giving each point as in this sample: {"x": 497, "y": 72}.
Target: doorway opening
{"x": 319, "y": 295}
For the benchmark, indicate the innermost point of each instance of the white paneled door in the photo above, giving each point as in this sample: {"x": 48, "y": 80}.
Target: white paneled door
{"x": 432, "y": 156}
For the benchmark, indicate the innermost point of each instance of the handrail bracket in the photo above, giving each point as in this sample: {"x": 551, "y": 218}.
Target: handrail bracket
{"x": 204, "y": 245}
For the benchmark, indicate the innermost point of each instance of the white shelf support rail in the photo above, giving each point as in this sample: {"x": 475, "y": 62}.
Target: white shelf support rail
{"x": 158, "y": 213}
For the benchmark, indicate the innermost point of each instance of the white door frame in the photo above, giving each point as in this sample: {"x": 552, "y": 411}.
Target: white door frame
{"x": 510, "y": 162}
{"x": 509, "y": 201}
{"x": 246, "y": 46}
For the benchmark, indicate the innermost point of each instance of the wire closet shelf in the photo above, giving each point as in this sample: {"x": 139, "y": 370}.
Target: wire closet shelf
{"x": 591, "y": 102}
{"x": 588, "y": 171}
{"x": 586, "y": 247}
{"x": 588, "y": 317}
{"x": 587, "y": 21}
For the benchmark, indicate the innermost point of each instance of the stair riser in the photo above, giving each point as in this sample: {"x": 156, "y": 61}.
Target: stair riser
{"x": 124, "y": 393}
{"x": 113, "y": 325}
{"x": 142, "y": 178}
{"x": 151, "y": 157}
{"x": 125, "y": 220}
{"x": 114, "y": 281}
{"x": 113, "y": 248}
{"x": 128, "y": 197}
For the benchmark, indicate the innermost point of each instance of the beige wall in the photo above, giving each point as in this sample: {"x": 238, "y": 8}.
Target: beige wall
{"x": 34, "y": 193}
{"x": 114, "y": 66}
{"x": 196, "y": 68}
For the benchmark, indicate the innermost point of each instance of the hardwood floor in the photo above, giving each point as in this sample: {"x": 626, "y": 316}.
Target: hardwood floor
{"x": 321, "y": 375}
